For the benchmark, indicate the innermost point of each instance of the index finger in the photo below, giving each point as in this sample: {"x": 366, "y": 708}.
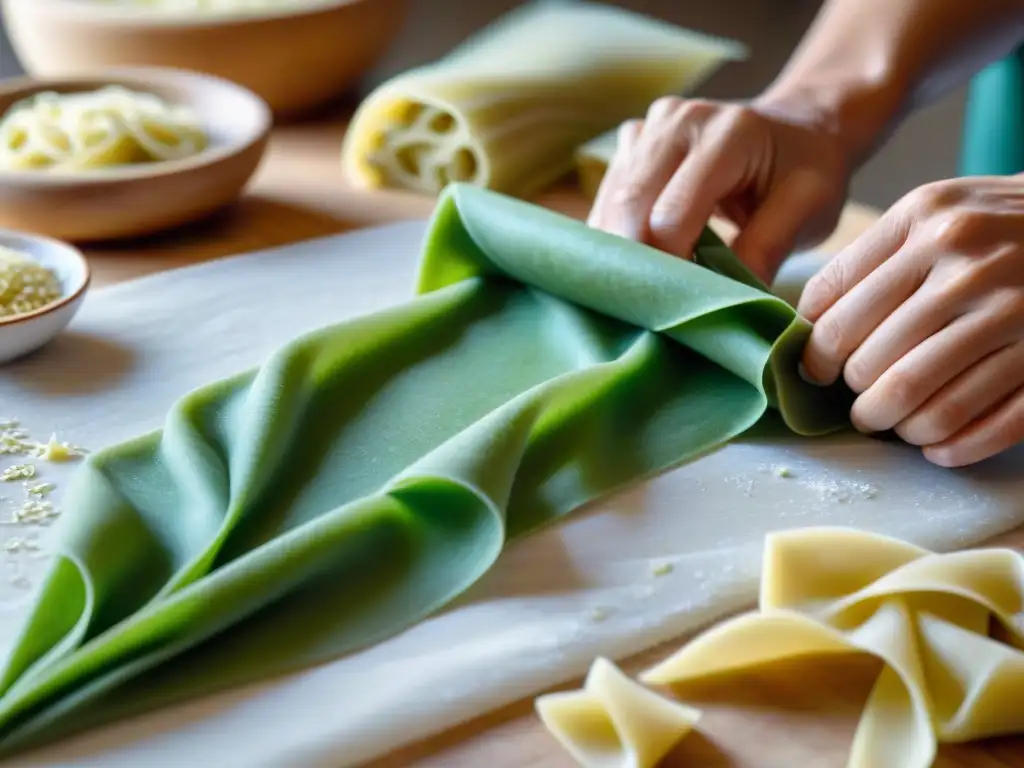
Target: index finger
{"x": 712, "y": 170}
{"x": 603, "y": 208}
{"x": 851, "y": 265}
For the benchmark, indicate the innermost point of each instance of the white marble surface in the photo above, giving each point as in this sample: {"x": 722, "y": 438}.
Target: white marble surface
{"x": 554, "y": 601}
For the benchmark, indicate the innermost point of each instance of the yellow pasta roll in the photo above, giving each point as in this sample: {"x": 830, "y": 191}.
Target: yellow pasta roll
{"x": 508, "y": 108}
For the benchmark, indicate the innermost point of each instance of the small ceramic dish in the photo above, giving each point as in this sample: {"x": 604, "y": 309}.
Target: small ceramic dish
{"x": 142, "y": 198}
{"x": 298, "y": 56}
{"x": 26, "y": 333}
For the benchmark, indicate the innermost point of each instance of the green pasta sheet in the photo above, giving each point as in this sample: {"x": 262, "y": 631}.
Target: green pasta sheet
{"x": 368, "y": 473}
{"x": 506, "y": 109}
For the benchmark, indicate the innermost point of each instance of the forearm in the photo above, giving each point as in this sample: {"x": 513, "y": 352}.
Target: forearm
{"x": 864, "y": 64}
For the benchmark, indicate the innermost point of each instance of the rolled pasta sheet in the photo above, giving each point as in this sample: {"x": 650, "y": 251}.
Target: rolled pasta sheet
{"x": 92, "y": 130}
{"x": 508, "y": 108}
{"x": 614, "y": 722}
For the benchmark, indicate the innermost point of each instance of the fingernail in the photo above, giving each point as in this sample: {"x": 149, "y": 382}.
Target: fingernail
{"x": 941, "y": 457}
{"x": 662, "y": 219}
{"x": 627, "y": 228}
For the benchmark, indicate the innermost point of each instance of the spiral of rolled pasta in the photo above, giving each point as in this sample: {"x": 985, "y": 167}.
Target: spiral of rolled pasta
{"x": 111, "y": 126}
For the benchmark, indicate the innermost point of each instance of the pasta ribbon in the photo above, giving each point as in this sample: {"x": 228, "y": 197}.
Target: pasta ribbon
{"x": 947, "y": 627}
{"x": 614, "y": 722}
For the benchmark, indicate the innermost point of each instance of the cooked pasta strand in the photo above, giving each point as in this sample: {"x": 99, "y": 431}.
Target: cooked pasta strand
{"x": 109, "y": 127}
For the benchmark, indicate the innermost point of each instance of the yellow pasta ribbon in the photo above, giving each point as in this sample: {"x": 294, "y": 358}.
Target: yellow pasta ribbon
{"x": 950, "y": 673}
{"x": 614, "y": 722}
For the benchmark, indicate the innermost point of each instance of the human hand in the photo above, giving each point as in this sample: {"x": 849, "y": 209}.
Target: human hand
{"x": 924, "y": 318}
{"x": 779, "y": 176}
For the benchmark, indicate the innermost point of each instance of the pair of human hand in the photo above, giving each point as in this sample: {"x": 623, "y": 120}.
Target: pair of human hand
{"x": 923, "y": 316}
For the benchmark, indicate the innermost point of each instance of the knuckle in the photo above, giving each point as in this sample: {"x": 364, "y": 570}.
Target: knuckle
{"x": 1010, "y": 304}
{"x": 957, "y": 288}
{"x": 631, "y": 127}
{"x": 738, "y": 117}
{"x": 666, "y": 218}
{"x": 629, "y": 195}
{"x": 663, "y": 107}
{"x": 857, "y": 375}
{"x": 826, "y": 283}
{"x": 961, "y": 231}
{"x": 931, "y": 198}
{"x": 901, "y": 390}
{"x": 672, "y": 233}
{"x": 1010, "y": 429}
{"x": 936, "y": 423}
{"x": 999, "y": 313}
{"x": 963, "y": 284}
{"x": 828, "y": 338}
{"x": 696, "y": 110}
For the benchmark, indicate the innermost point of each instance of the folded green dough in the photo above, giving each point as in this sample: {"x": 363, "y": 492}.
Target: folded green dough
{"x": 370, "y": 472}
{"x": 508, "y": 107}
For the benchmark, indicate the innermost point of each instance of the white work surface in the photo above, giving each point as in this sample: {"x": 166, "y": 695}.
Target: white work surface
{"x": 552, "y": 603}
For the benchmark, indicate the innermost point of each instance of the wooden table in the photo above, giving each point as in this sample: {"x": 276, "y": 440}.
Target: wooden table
{"x": 790, "y": 717}
{"x": 299, "y": 193}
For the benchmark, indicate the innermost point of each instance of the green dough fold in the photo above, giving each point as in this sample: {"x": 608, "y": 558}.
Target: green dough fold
{"x": 368, "y": 473}
{"x": 507, "y": 108}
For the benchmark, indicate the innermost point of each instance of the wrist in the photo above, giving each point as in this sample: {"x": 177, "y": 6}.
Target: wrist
{"x": 858, "y": 112}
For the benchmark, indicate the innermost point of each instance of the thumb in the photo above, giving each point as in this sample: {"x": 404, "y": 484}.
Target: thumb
{"x": 775, "y": 226}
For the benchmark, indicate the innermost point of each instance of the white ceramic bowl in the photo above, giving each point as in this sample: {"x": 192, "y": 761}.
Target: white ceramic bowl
{"x": 26, "y": 333}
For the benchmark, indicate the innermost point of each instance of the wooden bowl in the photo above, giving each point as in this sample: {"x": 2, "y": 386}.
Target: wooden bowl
{"x": 134, "y": 200}
{"x": 26, "y": 333}
{"x": 297, "y": 58}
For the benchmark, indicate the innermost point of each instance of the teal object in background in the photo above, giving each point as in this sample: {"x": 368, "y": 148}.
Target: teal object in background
{"x": 993, "y": 139}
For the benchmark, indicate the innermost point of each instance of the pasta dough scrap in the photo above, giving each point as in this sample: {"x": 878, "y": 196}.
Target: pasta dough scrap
{"x": 91, "y": 130}
{"x": 507, "y": 108}
{"x": 614, "y": 722}
{"x": 950, "y": 673}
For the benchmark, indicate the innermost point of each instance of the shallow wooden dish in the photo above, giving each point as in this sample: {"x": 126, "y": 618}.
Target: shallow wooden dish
{"x": 297, "y": 58}
{"x": 135, "y": 200}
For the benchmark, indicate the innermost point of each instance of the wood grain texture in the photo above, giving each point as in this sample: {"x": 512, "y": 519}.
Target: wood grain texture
{"x": 790, "y": 716}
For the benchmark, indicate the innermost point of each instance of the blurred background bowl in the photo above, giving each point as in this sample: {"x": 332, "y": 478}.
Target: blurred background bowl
{"x": 297, "y": 58}
{"x": 143, "y": 198}
{"x": 26, "y": 333}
